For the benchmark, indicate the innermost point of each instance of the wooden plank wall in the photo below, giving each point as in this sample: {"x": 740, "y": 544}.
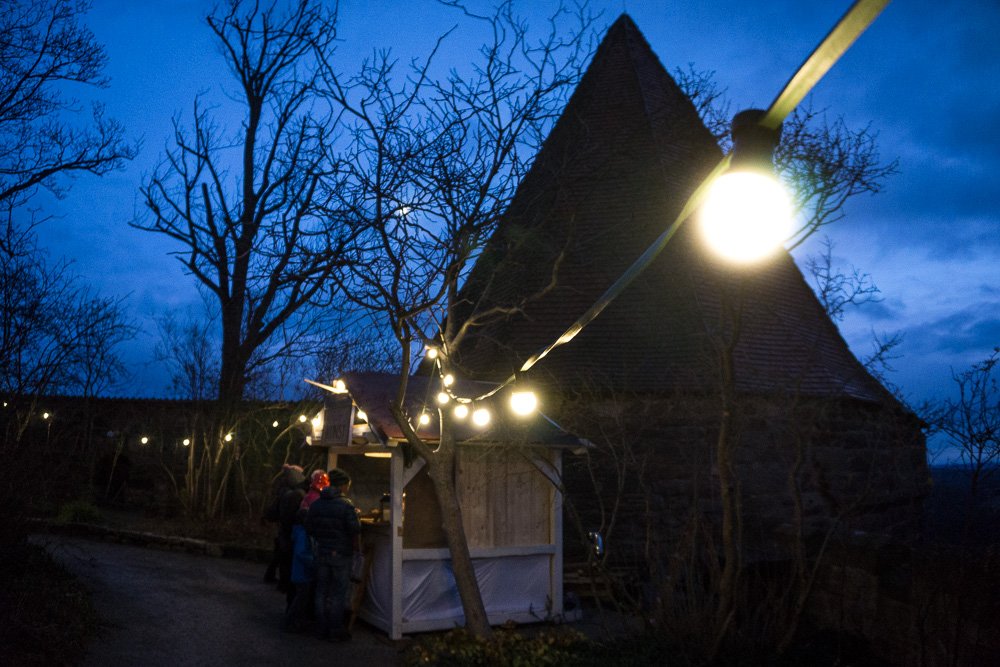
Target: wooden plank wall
{"x": 505, "y": 501}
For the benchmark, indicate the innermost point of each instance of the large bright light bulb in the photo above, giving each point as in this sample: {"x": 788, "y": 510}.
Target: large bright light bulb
{"x": 443, "y": 398}
{"x": 425, "y": 419}
{"x": 523, "y": 402}
{"x": 461, "y": 411}
{"x": 747, "y": 216}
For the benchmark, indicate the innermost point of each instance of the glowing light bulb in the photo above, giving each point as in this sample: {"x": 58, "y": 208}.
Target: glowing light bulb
{"x": 443, "y": 398}
{"x": 523, "y": 402}
{"x": 340, "y": 386}
{"x": 746, "y": 216}
{"x": 187, "y": 441}
{"x": 449, "y": 379}
{"x": 303, "y": 418}
{"x": 481, "y": 417}
{"x": 275, "y": 423}
{"x": 425, "y": 419}
{"x": 45, "y": 415}
{"x": 144, "y": 440}
{"x": 432, "y": 353}
{"x": 461, "y": 411}
{"x": 229, "y": 437}
{"x": 362, "y": 416}
{"x": 317, "y": 423}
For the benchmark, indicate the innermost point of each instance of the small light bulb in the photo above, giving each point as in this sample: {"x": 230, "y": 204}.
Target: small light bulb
{"x": 461, "y": 411}
{"x": 443, "y": 397}
{"x": 432, "y": 353}
{"x": 448, "y": 379}
{"x": 523, "y": 402}
{"x": 229, "y": 437}
{"x": 425, "y": 418}
{"x": 45, "y": 415}
{"x": 340, "y": 387}
{"x": 363, "y": 416}
{"x": 187, "y": 441}
{"x": 144, "y": 440}
{"x": 275, "y": 423}
{"x": 481, "y": 417}
{"x": 302, "y": 418}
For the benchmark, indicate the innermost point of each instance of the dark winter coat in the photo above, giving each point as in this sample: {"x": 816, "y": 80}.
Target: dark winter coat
{"x": 290, "y": 495}
{"x": 332, "y": 522}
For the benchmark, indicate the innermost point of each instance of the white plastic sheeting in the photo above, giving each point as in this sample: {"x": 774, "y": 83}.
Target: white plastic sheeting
{"x": 509, "y": 585}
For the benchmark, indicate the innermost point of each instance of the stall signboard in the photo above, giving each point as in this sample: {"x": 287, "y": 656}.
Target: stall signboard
{"x": 338, "y": 422}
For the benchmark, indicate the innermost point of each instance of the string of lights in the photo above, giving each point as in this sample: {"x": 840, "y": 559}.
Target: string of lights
{"x": 752, "y": 228}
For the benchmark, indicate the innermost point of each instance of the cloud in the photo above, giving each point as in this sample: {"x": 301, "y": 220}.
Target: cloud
{"x": 971, "y": 330}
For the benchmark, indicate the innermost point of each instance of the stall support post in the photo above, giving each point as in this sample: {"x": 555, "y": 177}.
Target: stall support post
{"x": 556, "y": 538}
{"x": 396, "y": 542}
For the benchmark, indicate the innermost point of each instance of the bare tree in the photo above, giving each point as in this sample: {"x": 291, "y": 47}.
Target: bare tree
{"x": 824, "y": 163}
{"x": 55, "y": 335}
{"x": 43, "y": 46}
{"x": 972, "y": 420}
{"x": 838, "y": 291}
{"x": 264, "y": 243}
{"x": 186, "y": 347}
{"x": 434, "y": 163}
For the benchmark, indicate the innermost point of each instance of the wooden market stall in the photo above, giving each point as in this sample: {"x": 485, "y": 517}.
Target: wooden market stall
{"x": 512, "y": 512}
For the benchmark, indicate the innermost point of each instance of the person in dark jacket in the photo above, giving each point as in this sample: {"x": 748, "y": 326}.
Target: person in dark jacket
{"x": 333, "y": 524}
{"x": 292, "y": 489}
{"x": 303, "y": 576}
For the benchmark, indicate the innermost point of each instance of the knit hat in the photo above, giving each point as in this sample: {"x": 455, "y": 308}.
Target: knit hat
{"x": 339, "y": 477}
{"x": 319, "y": 480}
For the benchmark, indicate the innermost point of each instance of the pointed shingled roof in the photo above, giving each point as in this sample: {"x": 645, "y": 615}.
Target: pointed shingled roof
{"x": 615, "y": 171}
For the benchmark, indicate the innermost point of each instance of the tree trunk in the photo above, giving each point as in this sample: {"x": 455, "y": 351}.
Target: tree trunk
{"x": 441, "y": 472}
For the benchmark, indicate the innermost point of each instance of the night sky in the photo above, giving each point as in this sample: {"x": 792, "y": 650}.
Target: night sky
{"x": 924, "y": 77}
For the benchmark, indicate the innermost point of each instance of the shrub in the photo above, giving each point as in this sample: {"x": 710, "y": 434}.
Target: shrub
{"x": 79, "y": 511}
{"x": 507, "y": 647}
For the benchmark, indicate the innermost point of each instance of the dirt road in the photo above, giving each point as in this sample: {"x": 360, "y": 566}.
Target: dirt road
{"x": 165, "y": 608}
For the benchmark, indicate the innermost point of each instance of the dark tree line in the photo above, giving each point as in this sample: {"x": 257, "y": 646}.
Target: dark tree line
{"x": 55, "y": 334}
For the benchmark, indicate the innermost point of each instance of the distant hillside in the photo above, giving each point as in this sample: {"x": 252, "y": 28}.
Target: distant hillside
{"x": 947, "y": 507}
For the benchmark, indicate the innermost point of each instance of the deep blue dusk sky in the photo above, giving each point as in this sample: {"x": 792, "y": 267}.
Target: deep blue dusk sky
{"x": 925, "y": 77}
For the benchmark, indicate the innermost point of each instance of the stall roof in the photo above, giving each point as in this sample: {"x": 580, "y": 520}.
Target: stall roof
{"x": 374, "y": 392}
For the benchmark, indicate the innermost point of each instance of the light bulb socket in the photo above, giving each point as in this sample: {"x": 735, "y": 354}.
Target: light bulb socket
{"x": 753, "y": 144}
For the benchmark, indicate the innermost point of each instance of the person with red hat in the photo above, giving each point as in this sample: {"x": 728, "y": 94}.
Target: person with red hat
{"x": 317, "y": 482}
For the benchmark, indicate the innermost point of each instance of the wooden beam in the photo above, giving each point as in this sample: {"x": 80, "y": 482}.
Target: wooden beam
{"x": 396, "y": 542}
{"x": 411, "y": 472}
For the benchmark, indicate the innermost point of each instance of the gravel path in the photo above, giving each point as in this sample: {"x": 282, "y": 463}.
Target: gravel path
{"x": 165, "y": 608}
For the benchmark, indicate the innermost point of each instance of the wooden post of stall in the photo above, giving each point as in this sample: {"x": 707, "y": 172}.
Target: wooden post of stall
{"x": 396, "y": 544}
{"x": 555, "y": 537}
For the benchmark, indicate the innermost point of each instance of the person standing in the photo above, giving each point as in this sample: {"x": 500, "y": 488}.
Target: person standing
{"x": 303, "y": 576}
{"x": 317, "y": 482}
{"x": 292, "y": 490}
{"x": 333, "y": 524}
